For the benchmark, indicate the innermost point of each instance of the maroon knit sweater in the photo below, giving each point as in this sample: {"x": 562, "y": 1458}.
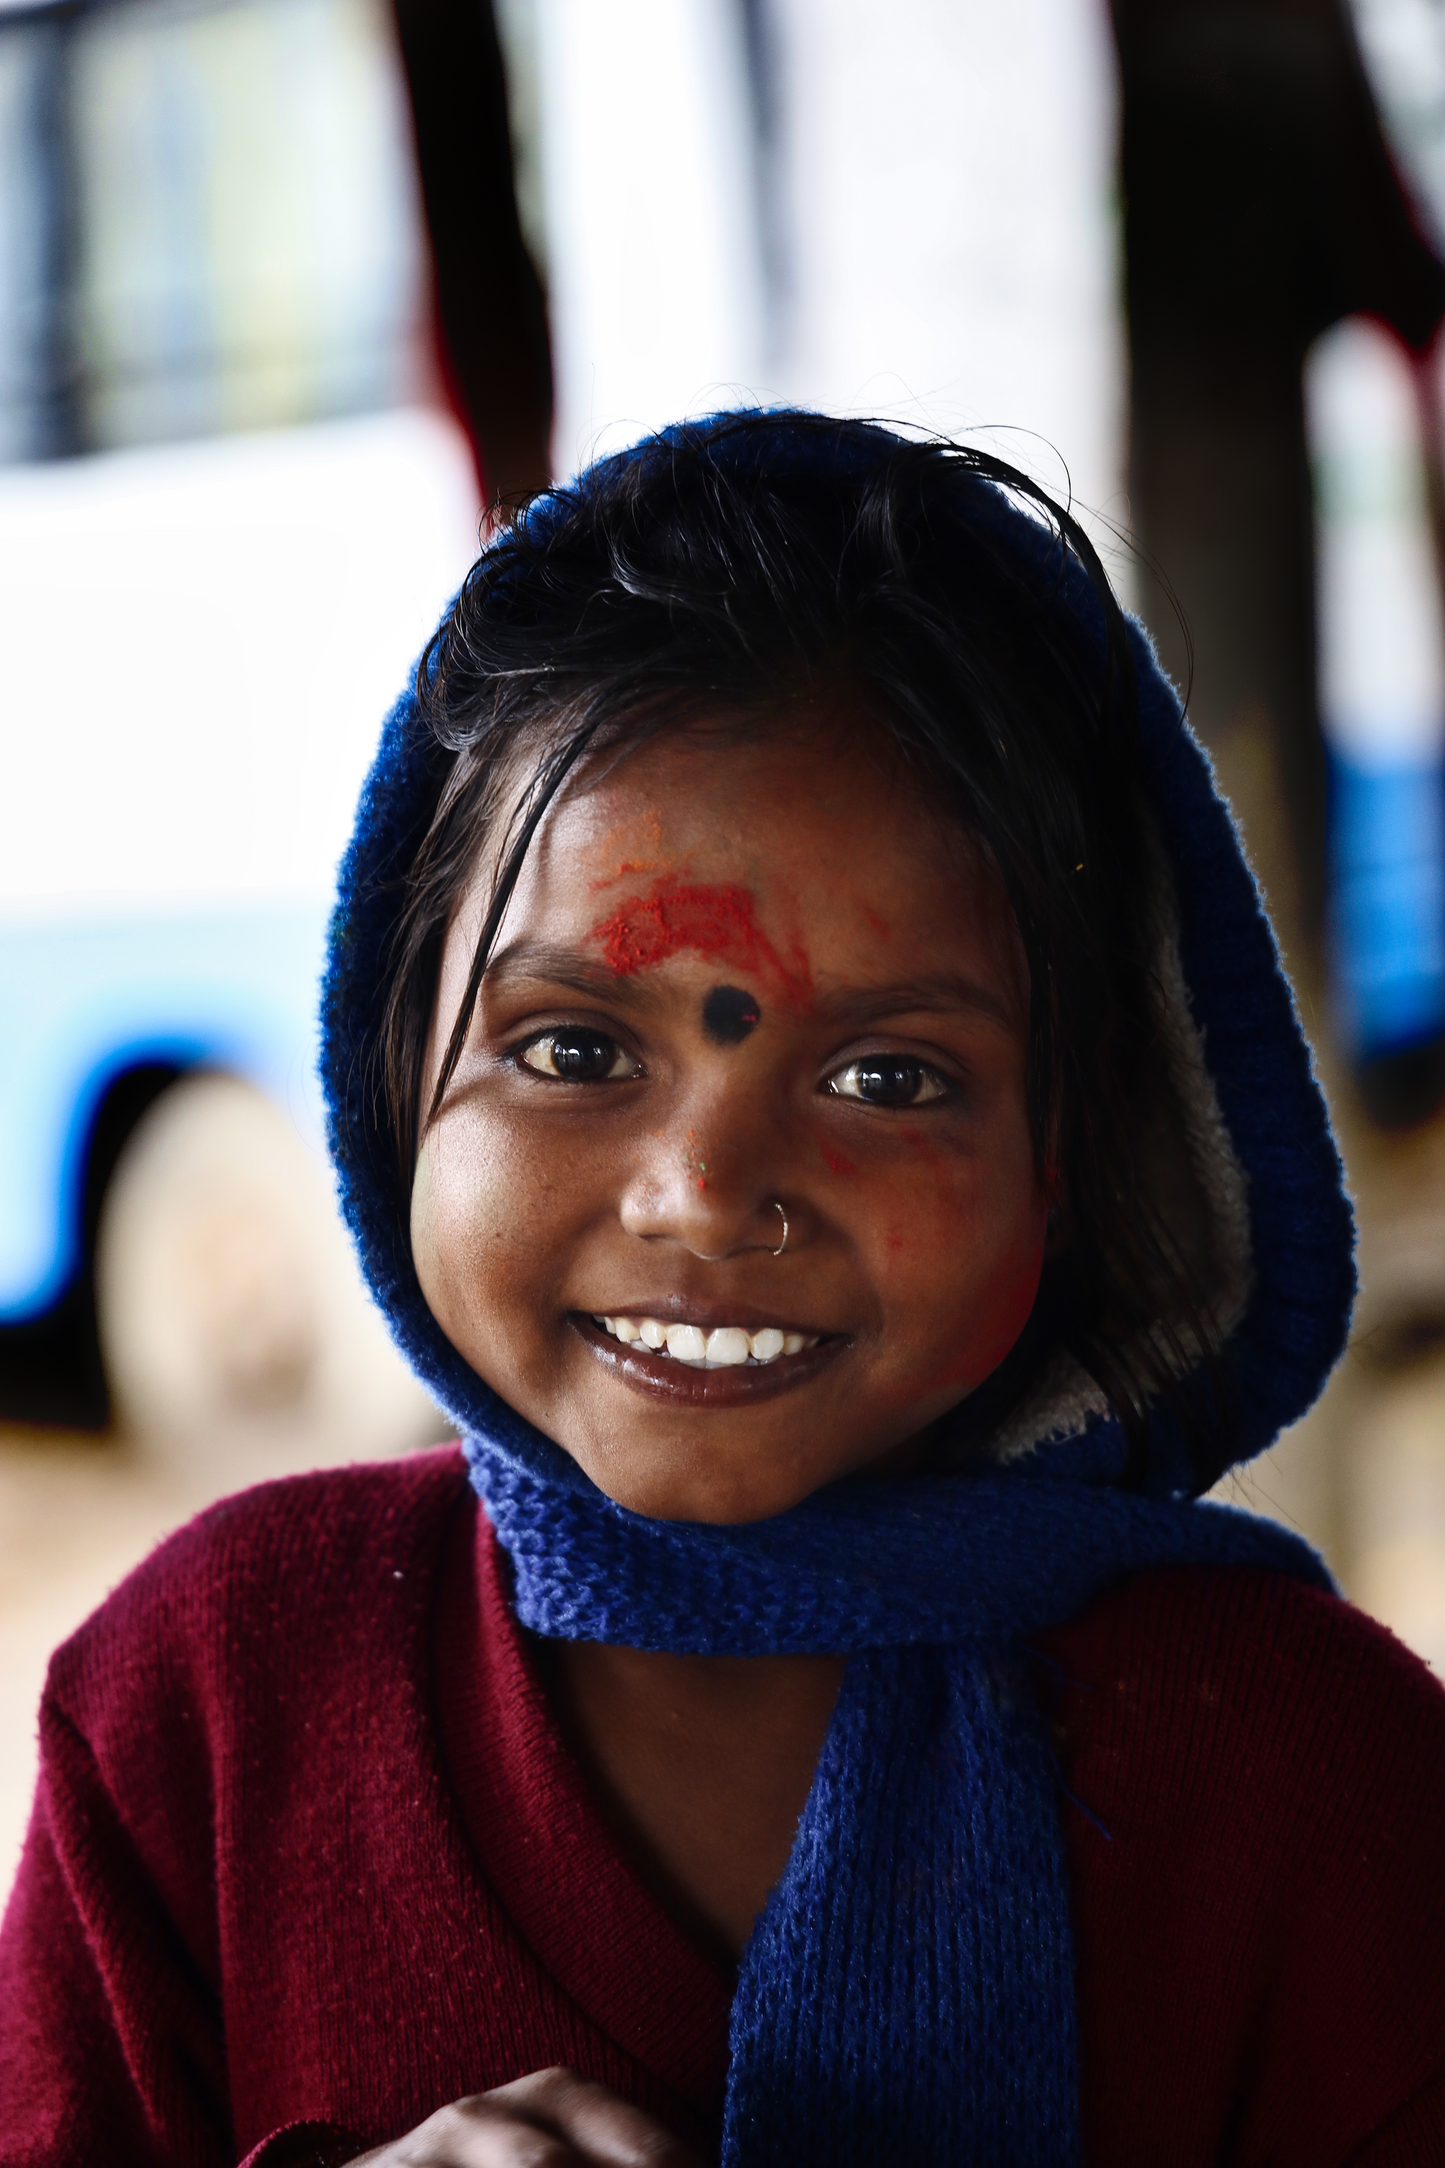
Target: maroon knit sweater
{"x": 309, "y": 1858}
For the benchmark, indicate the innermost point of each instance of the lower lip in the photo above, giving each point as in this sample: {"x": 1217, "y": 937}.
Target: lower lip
{"x": 733, "y": 1385}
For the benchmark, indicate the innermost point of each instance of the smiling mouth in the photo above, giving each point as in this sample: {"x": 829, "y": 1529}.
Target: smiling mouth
{"x": 724, "y": 1347}
{"x": 705, "y": 1363}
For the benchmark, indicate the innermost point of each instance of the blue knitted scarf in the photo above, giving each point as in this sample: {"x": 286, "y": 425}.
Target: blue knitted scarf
{"x": 908, "y": 1993}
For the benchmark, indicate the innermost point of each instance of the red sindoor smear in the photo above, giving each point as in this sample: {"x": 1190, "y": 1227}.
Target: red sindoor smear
{"x": 719, "y": 923}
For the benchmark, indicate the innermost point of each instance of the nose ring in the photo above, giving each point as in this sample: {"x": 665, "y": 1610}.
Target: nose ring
{"x": 777, "y": 1206}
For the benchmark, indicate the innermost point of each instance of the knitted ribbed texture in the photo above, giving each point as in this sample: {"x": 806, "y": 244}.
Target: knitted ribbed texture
{"x": 907, "y": 1994}
{"x": 310, "y": 1851}
{"x": 863, "y": 1565}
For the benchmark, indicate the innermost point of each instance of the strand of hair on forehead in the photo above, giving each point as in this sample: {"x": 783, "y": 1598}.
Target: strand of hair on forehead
{"x": 541, "y": 793}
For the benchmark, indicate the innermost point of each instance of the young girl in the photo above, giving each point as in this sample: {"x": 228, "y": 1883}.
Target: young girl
{"x": 815, "y": 1094}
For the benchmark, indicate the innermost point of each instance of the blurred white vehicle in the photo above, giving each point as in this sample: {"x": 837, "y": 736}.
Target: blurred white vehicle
{"x": 229, "y": 517}
{"x": 197, "y": 645}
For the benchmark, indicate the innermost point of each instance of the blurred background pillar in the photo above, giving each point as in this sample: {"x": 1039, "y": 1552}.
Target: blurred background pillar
{"x": 1261, "y": 207}
{"x": 1282, "y": 166}
{"x": 490, "y": 307}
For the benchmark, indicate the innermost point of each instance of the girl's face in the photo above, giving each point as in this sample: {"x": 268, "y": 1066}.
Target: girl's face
{"x": 741, "y": 982}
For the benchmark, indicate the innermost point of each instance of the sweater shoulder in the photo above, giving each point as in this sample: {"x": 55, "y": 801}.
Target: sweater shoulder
{"x": 263, "y": 1579}
{"x": 1251, "y": 1770}
{"x": 1264, "y": 1636}
{"x": 1230, "y": 1698}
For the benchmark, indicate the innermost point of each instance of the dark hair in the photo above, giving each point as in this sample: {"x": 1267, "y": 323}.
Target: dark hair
{"x": 753, "y": 566}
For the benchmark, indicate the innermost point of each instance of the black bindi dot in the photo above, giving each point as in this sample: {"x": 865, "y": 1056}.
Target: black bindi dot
{"x": 728, "y": 1015}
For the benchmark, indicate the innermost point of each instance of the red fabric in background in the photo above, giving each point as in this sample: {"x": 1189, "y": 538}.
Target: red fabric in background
{"x": 292, "y": 1883}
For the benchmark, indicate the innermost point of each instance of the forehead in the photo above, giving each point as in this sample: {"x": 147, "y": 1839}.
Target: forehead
{"x": 753, "y": 798}
{"x": 824, "y": 830}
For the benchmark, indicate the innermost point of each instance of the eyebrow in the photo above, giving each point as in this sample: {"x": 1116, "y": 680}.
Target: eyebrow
{"x": 935, "y": 994}
{"x": 563, "y": 967}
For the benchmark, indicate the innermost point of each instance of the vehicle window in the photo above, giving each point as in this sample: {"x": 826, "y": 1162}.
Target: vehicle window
{"x": 208, "y": 222}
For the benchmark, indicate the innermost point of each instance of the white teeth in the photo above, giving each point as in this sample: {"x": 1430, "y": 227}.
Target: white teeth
{"x": 725, "y": 1347}
{"x": 728, "y": 1345}
{"x": 687, "y": 1342}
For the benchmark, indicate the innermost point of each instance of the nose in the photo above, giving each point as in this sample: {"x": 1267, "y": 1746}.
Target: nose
{"x": 715, "y": 1194}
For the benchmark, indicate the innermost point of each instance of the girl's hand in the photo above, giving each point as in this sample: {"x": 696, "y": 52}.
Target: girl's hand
{"x": 553, "y": 2119}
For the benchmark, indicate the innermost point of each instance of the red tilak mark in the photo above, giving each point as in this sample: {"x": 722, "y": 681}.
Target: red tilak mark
{"x": 837, "y": 1164}
{"x": 625, "y": 867}
{"x": 879, "y": 925}
{"x": 718, "y": 923}
{"x": 895, "y": 1242}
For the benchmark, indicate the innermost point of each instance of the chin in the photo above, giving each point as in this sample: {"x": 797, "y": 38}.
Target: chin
{"x": 679, "y": 1489}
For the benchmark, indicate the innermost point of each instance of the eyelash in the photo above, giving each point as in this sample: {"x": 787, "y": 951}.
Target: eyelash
{"x": 837, "y": 1085}
{"x": 576, "y": 1032}
{"x": 940, "y": 1087}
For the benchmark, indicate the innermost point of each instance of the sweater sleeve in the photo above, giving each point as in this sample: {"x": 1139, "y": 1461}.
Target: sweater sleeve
{"x": 110, "y": 2038}
{"x": 179, "y": 1964}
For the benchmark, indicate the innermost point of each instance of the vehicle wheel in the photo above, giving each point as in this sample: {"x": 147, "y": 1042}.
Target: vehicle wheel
{"x": 231, "y": 1315}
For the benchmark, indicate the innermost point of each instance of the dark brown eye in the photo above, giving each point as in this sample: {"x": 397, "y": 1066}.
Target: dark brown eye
{"x": 888, "y": 1080}
{"x": 578, "y": 1056}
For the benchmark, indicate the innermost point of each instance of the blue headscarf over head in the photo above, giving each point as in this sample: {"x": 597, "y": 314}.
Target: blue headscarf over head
{"x": 908, "y": 1991}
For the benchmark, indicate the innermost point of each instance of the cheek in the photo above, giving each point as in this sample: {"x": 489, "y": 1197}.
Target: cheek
{"x": 438, "y": 1230}
{"x": 425, "y": 1252}
{"x": 466, "y": 1210}
{"x": 962, "y": 1262}
{"x": 1013, "y": 1289}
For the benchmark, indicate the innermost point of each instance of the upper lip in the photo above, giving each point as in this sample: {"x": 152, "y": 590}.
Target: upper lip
{"x": 708, "y": 1316}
